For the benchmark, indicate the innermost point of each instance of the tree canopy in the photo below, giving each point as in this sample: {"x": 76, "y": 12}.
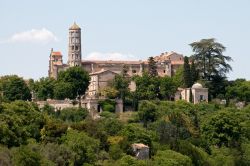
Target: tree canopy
{"x": 14, "y": 88}
{"x": 209, "y": 58}
{"x": 77, "y": 79}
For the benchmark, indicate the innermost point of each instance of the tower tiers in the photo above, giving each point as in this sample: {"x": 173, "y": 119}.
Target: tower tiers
{"x": 74, "y": 46}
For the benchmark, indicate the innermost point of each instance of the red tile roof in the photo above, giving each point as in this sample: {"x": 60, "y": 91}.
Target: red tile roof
{"x": 58, "y": 53}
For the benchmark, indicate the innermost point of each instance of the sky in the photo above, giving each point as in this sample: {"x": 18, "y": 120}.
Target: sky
{"x": 119, "y": 30}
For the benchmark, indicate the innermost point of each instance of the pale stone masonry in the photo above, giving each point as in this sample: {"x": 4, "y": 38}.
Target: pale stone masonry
{"x": 74, "y": 48}
{"x": 101, "y": 72}
{"x": 167, "y": 63}
{"x": 199, "y": 94}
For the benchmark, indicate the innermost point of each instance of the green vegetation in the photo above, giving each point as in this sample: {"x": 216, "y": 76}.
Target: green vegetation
{"x": 14, "y": 88}
{"x": 176, "y": 132}
{"x": 71, "y": 84}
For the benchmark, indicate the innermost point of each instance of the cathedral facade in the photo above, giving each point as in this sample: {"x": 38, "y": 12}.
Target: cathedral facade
{"x": 102, "y": 71}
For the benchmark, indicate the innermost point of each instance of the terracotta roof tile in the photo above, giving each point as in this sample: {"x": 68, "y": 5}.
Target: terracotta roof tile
{"x": 57, "y": 53}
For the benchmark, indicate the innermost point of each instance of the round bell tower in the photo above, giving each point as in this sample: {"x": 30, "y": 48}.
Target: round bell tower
{"x": 74, "y": 47}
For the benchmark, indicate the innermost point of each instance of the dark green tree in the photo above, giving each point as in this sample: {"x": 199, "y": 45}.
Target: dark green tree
{"x": 147, "y": 87}
{"x": 167, "y": 87}
{"x": 222, "y": 129}
{"x": 20, "y": 121}
{"x": 85, "y": 147}
{"x": 194, "y": 73}
{"x": 44, "y": 88}
{"x": 152, "y": 67}
{"x": 209, "y": 58}
{"x": 63, "y": 90}
{"x": 187, "y": 77}
{"x": 121, "y": 84}
{"x": 14, "y": 88}
{"x": 239, "y": 90}
{"x": 171, "y": 158}
{"x": 147, "y": 112}
{"x": 24, "y": 156}
{"x": 77, "y": 78}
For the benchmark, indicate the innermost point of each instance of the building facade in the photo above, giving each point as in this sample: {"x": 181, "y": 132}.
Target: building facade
{"x": 102, "y": 71}
{"x": 195, "y": 94}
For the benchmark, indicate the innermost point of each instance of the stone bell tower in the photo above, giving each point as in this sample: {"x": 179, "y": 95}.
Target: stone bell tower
{"x": 74, "y": 48}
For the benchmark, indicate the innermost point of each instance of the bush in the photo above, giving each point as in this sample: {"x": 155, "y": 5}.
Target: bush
{"x": 73, "y": 114}
{"x": 171, "y": 158}
{"x": 107, "y": 105}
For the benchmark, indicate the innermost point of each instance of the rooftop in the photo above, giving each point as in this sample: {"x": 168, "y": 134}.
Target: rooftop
{"x": 56, "y": 53}
{"x": 75, "y": 27}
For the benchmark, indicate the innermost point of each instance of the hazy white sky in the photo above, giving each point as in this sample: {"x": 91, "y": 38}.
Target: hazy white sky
{"x": 119, "y": 29}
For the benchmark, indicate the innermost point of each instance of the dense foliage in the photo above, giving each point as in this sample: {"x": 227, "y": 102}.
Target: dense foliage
{"x": 178, "y": 133}
{"x": 14, "y": 88}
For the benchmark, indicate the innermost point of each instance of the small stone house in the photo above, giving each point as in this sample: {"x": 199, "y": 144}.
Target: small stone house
{"x": 141, "y": 151}
{"x": 199, "y": 94}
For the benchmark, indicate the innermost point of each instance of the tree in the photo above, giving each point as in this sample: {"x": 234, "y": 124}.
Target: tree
{"x": 121, "y": 83}
{"x": 14, "y": 88}
{"x": 147, "y": 87}
{"x": 109, "y": 92}
{"x": 63, "y": 90}
{"x": 178, "y": 77}
{"x": 5, "y": 156}
{"x": 20, "y": 121}
{"x": 239, "y": 89}
{"x": 222, "y": 128}
{"x": 187, "y": 77}
{"x": 58, "y": 154}
{"x": 78, "y": 80}
{"x": 128, "y": 160}
{"x": 171, "y": 158}
{"x": 85, "y": 147}
{"x": 209, "y": 59}
{"x": 194, "y": 73}
{"x": 24, "y": 156}
{"x": 152, "y": 68}
{"x": 135, "y": 133}
{"x": 147, "y": 112}
{"x": 44, "y": 88}
{"x": 167, "y": 87}
{"x": 72, "y": 114}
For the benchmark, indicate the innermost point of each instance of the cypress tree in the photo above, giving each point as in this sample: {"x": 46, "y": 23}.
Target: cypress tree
{"x": 152, "y": 68}
{"x": 187, "y": 74}
{"x": 194, "y": 73}
{"x": 191, "y": 96}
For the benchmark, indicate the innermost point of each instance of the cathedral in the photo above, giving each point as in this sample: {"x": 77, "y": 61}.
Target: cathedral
{"x": 103, "y": 71}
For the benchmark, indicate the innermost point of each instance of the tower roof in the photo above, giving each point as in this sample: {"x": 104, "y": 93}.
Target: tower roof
{"x": 74, "y": 27}
{"x": 56, "y": 53}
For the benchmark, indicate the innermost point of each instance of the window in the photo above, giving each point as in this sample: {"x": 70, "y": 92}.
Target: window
{"x": 133, "y": 71}
{"x": 164, "y": 71}
{"x": 72, "y": 47}
{"x": 76, "y": 48}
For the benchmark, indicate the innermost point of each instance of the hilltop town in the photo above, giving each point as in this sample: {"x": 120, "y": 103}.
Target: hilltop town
{"x": 168, "y": 109}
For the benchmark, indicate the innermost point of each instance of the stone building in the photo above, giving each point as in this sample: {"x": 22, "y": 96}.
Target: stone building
{"x": 103, "y": 71}
{"x": 198, "y": 94}
{"x": 141, "y": 151}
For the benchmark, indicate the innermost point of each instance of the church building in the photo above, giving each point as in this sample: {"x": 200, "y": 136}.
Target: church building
{"x": 103, "y": 71}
